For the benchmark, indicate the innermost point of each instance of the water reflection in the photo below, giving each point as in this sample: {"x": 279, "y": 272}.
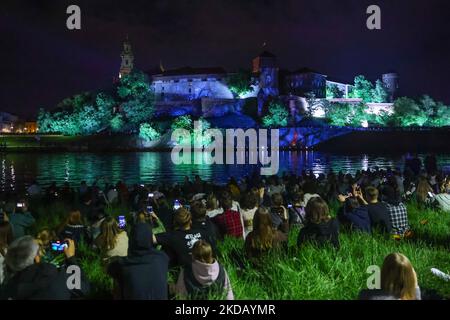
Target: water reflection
{"x": 19, "y": 170}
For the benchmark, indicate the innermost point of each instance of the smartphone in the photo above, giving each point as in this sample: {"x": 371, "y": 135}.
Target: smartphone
{"x": 122, "y": 222}
{"x": 59, "y": 246}
{"x": 20, "y": 205}
{"x": 151, "y": 195}
{"x": 289, "y": 205}
{"x": 149, "y": 209}
{"x": 142, "y": 186}
{"x": 176, "y": 205}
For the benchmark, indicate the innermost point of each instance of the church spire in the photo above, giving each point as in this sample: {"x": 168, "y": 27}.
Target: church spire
{"x": 127, "y": 57}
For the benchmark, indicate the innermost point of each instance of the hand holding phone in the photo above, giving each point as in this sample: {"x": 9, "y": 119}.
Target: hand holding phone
{"x": 122, "y": 222}
{"x": 176, "y": 205}
{"x": 59, "y": 246}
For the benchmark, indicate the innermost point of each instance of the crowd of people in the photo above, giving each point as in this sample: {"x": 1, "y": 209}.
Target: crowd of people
{"x": 195, "y": 216}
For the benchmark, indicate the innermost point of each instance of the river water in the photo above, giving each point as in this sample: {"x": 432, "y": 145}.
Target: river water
{"x": 19, "y": 169}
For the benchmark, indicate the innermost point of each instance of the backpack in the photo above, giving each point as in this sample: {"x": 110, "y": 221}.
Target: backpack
{"x": 198, "y": 291}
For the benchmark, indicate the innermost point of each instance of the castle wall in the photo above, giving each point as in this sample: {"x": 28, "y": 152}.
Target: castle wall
{"x": 190, "y": 88}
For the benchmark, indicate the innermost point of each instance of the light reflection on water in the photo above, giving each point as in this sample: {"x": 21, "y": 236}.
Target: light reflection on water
{"x": 19, "y": 170}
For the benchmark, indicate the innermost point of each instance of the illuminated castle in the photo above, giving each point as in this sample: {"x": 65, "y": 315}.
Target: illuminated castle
{"x": 188, "y": 86}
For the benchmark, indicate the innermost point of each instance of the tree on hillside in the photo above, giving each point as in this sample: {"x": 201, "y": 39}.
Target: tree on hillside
{"x": 333, "y": 92}
{"x": 147, "y": 132}
{"x": 362, "y": 89}
{"x": 379, "y": 93}
{"x": 137, "y": 99}
{"x": 133, "y": 85}
{"x": 408, "y": 112}
{"x": 277, "y": 117}
{"x": 105, "y": 107}
{"x": 240, "y": 83}
{"x": 338, "y": 114}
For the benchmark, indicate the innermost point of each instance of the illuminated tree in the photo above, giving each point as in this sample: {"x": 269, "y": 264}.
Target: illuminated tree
{"x": 441, "y": 117}
{"x": 44, "y": 121}
{"x": 338, "y": 114}
{"x": 380, "y": 93}
{"x": 105, "y": 105}
{"x": 358, "y": 114}
{"x": 133, "y": 85}
{"x": 362, "y": 89}
{"x": 182, "y": 122}
{"x": 277, "y": 117}
{"x": 240, "y": 83}
{"x": 117, "y": 124}
{"x": 138, "y": 110}
{"x": 408, "y": 112}
{"x": 147, "y": 132}
{"x": 333, "y": 92}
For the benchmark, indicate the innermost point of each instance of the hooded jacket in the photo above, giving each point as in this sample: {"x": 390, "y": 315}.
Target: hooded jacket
{"x": 142, "y": 275}
{"x": 205, "y": 274}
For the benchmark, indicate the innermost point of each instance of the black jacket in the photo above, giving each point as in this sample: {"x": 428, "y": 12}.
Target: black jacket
{"x": 320, "y": 233}
{"x": 379, "y": 216}
{"x": 143, "y": 274}
{"x": 43, "y": 281}
{"x": 178, "y": 244}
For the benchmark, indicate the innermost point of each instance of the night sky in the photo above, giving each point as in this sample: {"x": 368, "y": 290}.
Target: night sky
{"x": 42, "y": 62}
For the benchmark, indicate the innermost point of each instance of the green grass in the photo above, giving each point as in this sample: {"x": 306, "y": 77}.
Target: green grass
{"x": 310, "y": 272}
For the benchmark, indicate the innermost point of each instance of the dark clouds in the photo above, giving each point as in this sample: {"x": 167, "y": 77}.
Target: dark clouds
{"x": 43, "y": 62}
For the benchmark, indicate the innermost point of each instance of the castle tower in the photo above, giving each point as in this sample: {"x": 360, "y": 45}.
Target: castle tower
{"x": 390, "y": 80}
{"x": 266, "y": 70}
{"x": 127, "y": 56}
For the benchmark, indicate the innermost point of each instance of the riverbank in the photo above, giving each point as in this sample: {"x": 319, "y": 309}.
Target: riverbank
{"x": 296, "y": 138}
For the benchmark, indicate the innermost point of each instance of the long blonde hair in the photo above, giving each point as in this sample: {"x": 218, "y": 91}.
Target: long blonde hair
{"x": 263, "y": 233}
{"x": 109, "y": 230}
{"x": 398, "y": 277}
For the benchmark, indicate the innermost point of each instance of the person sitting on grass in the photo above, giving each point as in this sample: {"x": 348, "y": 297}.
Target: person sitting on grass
{"x": 204, "y": 277}
{"x": 19, "y": 217}
{"x": 178, "y": 243}
{"x": 398, "y": 281}
{"x": 230, "y": 221}
{"x": 201, "y": 221}
{"x": 44, "y": 238}
{"x": 6, "y": 237}
{"x": 378, "y": 213}
{"x": 422, "y": 192}
{"x": 297, "y": 210}
{"x": 142, "y": 275}
{"x": 73, "y": 228}
{"x": 112, "y": 241}
{"x": 398, "y": 214}
{"x": 32, "y": 279}
{"x": 353, "y": 214}
{"x": 279, "y": 213}
{"x": 263, "y": 237}
{"x": 249, "y": 206}
{"x": 319, "y": 227}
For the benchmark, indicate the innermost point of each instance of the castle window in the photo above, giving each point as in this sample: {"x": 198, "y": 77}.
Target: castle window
{"x": 190, "y": 90}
